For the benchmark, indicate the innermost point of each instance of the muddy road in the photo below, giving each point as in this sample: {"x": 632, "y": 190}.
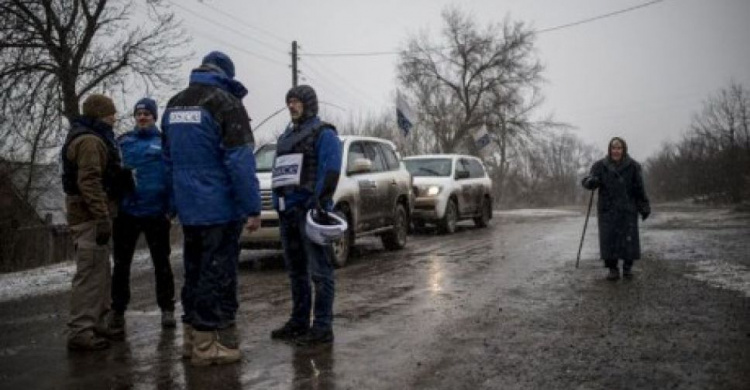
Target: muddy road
{"x": 496, "y": 308}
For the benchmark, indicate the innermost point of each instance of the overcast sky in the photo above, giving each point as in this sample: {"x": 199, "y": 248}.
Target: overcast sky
{"x": 639, "y": 75}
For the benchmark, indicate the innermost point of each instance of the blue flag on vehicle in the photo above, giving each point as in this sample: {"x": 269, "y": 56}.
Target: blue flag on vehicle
{"x": 404, "y": 114}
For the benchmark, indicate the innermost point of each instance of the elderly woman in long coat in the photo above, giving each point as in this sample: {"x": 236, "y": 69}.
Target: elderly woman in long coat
{"x": 622, "y": 197}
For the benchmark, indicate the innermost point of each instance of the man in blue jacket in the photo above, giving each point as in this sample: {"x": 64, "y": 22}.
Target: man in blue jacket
{"x": 208, "y": 148}
{"x": 313, "y": 151}
{"x": 145, "y": 210}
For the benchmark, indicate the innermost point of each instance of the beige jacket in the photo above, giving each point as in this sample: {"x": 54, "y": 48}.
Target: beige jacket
{"x": 89, "y": 154}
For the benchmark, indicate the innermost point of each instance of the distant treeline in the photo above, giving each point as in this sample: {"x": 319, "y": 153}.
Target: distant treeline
{"x": 711, "y": 163}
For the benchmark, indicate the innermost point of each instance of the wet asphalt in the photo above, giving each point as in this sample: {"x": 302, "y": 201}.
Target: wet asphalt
{"x": 496, "y": 308}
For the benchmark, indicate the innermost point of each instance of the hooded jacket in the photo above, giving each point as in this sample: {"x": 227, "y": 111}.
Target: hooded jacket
{"x": 320, "y": 147}
{"x": 208, "y": 151}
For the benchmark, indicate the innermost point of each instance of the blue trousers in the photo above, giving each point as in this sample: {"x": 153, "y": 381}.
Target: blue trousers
{"x": 306, "y": 261}
{"x": 209, "y": 294}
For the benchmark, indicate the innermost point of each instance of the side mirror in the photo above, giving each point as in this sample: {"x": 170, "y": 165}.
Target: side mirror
{"x": 361, "y": 165}
{"x": 462, "y": 175}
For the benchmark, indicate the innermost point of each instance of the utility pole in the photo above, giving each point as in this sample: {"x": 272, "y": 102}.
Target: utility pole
{"x": 294, "y": 63}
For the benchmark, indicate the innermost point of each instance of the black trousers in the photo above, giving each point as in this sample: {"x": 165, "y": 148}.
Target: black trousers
{"x": 209, "y": 295}
{"x": 125, "y": 232}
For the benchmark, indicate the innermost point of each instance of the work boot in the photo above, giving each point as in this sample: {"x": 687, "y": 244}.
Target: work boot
{"x": 117, "y": 320}
{"x": 167, "y": 319}
{"x": 87, "y": 341}
{"x": 627, "y": 273}
{"x": 289, "y": 331}
{"x": 315, "y": 337}
{"x": 208, "y": 350}
{"x": 187, "y": 341}
{"x": 614, "y": 274}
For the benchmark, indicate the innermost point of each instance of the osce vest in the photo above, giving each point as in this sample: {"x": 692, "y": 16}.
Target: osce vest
{"x": 302, "y": 142}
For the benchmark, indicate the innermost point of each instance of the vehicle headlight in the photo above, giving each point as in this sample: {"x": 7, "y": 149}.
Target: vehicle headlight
{"x": 433, "y": 190}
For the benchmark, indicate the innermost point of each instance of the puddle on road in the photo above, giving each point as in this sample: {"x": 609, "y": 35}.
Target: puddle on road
{"x": 723, "y": 275}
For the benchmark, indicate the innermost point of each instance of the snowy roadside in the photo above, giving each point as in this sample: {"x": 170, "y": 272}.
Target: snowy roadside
{"x": 537, "y": 213}
{"x": 51, "y": 279}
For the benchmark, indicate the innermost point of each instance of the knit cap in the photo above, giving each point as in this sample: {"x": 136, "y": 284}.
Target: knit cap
{"x": 148, "y": 105}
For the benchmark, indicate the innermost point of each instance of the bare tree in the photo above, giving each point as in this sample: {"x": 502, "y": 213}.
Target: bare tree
{"x": 548, "y": 171}
{"x": 477, "y": 77}
{"x": 53, "y": 52}
{"x": 712, "y": 161}
{"x": 384, "y": 125}
{"x": 454, "y": 81}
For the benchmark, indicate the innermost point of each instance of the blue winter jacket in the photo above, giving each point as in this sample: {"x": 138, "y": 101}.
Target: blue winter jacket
{"x": 141, "y": 152}
{"x": 328, "y": 149}
{"x": 208, "y": 149}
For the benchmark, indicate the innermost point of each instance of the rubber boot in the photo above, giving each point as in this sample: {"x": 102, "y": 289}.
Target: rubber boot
{"x": 208, "y": 350}
{"x": 187, "y": 341}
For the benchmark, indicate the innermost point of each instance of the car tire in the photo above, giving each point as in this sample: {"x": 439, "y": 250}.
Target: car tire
{"x": 396, "y": 238}
{"x": 448, "y": 223}
{"x": 483, "y": 220}
{"x": 342, "y": 248}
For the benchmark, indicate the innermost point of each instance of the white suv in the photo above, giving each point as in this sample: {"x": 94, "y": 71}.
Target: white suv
{"x": 373, "y": 193}
{"x": 449, "y": 188}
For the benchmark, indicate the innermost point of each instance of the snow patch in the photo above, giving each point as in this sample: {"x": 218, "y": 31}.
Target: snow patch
{"x": 50, "y": 279}
{"x": 723, "y": 275}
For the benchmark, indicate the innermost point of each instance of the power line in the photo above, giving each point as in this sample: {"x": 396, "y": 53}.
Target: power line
{"x": 354, "y": 54}
{"x": 229, "y": 28}
{"x": 241, "y": 49}
{"x": 244, "y": 23}
{"x": 604, "y": 16}
{"x": 338, "y": 80}
{"x": 542, "y": 31}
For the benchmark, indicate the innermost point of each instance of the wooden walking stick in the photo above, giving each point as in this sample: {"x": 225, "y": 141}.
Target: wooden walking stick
{"x": 591, "y": 200}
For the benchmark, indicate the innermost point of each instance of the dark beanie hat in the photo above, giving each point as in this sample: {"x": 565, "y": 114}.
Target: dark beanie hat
{"x": 98, "y": 106}
{"x": 220, "y": 61}
{"x": 148, "y": 105}
{"x": 305, "y": 94}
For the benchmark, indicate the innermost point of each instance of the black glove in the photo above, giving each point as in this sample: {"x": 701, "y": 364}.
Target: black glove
{"x": 123, "y": 183}
{"x": 645, "y": 215}
{"x": 313, "y": 203}
{"x": 591, "y": 182}
{"x": 103, "y": 231}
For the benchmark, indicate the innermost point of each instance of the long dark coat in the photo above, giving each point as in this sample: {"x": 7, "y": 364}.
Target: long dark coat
{"x": 621, "y": 198}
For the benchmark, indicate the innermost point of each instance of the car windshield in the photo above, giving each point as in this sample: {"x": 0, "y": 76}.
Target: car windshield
{"x": 264, "y": 158}
{"x": 429, "y": 166}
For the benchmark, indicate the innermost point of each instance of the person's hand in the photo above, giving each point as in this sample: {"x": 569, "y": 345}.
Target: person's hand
{"x": 591, "y": 182}
{"x": 645, "y": 215}
{"x": 103, "y": 231}
{"x": 252, "y": 224}
{"x": 313, "y": 203}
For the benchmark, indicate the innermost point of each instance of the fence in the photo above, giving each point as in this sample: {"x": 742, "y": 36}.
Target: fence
{"x": 33, "y": 246}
